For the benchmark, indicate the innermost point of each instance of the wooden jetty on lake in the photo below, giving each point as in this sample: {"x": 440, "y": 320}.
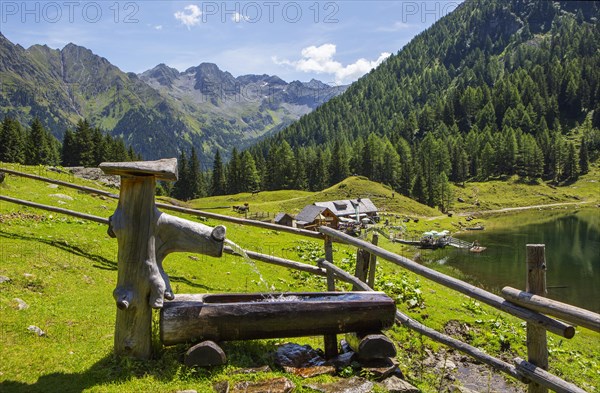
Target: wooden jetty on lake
{"x": 434, "y": 240}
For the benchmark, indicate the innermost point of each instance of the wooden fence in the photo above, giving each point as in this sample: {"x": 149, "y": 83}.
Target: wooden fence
{"x": 529, "y": 305}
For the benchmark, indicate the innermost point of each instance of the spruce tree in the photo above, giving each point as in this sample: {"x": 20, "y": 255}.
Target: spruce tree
{"x": 85, "y": 144}
{"x": 234, "y": 174}
{"x": 249, "y": 179}
{"x": 12, "y": 141}
{"x": 42, "y": 148}
{"x": 584, "y": 163}
{"x": 181, "y": 188}
{"x": 69, "y": 151}
{"x": 217, "y": 185}
{"x": 194, "y": 173}
{"x": 571, "y": 167}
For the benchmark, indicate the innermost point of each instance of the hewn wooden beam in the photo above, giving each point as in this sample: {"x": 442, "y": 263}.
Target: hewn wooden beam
{"x": 576, "y": 315}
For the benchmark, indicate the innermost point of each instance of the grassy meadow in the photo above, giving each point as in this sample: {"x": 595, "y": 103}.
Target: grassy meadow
{"x": 62, "y": 272}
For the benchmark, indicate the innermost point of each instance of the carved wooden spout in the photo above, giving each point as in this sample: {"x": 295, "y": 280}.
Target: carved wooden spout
{"x": 145, "y": 237}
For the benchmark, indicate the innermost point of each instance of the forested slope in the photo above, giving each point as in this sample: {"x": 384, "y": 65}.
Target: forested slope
{"x": 493, "y": 89}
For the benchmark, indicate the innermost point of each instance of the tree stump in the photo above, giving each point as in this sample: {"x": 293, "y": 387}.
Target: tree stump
{"x": 145, "y": 237}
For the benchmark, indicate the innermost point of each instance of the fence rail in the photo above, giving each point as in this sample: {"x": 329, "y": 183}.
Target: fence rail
{"x": 529, "y": 310}
{"x": 194, "y": 212}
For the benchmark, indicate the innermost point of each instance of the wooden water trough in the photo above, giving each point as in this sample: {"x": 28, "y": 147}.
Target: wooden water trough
{"x": 227, "y": 317}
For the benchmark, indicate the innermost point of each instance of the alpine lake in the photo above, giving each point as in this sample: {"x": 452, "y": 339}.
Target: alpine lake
{"x": 572, "y": 239}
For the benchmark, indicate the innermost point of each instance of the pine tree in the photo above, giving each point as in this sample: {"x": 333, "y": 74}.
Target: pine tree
{"x": 571, "y": 168}
{"x": 12, "y": 141}
{"x": 339, "y": 167}
{"x": 444, "y": 193}
{"x": 42, "y": 148}
{"x": 281, "y": 162}
{"x": 584, "y": 163}
{"x": 181, "y": 188}
{"x": 249, "y": 179}
{"x": 234, "y": 175}
{"x": 406, "y": 167}
{"x": 100, "y": 147}
{"x": 85, "y": 144}
{"x": 69, "y": 149}
{"x": 217, "y": 186}
{"x": 300, "y": 178}
{"x": 194, "y": 173}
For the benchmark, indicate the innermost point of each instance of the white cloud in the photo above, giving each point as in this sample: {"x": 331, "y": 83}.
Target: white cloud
{"x": 397, "y": 26}
{"x": 190, "y": 16}
{"x": 237, "y": 17}
{"x": 158, "y": 27}
{"x": 319, "y": 59}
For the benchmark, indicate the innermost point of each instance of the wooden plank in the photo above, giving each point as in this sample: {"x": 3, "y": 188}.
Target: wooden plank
{"x": 550, "y": 324}
{"x": 537, "y": 344}
{"x": 165, "y": 169}
{"x": 576, "y": 315}
{"x": 543, "y": 377}
{"x": 281, "y": 262}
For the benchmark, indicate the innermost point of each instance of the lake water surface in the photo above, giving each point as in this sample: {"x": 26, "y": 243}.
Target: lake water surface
{"x": 572, "y": 240}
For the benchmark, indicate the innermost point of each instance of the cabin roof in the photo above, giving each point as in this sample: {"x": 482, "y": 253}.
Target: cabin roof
{"x": 309, "y": 214}
{"x": 347, "y": 207}
{"x": 281, "y": 216}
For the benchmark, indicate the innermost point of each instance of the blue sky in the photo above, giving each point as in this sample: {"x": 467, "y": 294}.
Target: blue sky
{"x": 333, "y": 41}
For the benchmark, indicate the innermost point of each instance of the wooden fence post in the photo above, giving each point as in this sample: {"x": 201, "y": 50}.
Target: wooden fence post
{"x": 537, "y": 346}
{"x": 373, "y": 263}
{"x": 362, "y": 266}
{"x": 330, "y": 340}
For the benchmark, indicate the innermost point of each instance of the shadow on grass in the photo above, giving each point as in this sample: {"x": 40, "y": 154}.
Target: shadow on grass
{"x": 168, "y": 367}
{"x": 109, "y": 370}
{"x": 100, "y": 262}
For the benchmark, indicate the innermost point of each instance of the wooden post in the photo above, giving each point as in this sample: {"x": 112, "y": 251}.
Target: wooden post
{"x": 362, "y": 266}
{"x": 537, "y": 346}
{"x": 373, "y": 262}
{"x": 330, "y": 340}
{"x": 145, "y": 237}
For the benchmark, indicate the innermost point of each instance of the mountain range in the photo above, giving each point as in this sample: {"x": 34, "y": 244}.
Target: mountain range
{"x": 159, "y": 112}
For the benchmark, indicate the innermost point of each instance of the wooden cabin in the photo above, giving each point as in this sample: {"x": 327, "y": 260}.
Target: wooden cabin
{"x": 312, "y": 217}
{"x": 284, "y": 219}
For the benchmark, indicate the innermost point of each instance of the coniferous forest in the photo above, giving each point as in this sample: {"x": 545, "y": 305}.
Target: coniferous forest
{"x": 35, "y": 145}
{"x": 493, "y": 90}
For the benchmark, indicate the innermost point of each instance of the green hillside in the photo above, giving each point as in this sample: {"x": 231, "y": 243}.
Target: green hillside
{"x": 292, "y": 201}
{"x": 492, "y": 90}
{"x": 477, "y": 197}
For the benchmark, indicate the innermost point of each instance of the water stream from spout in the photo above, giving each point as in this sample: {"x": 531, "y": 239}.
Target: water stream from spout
{"x": 241, "y": 252}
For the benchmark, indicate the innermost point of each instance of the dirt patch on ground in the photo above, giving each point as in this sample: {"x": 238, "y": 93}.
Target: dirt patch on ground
{"x": 21, "y": 217}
